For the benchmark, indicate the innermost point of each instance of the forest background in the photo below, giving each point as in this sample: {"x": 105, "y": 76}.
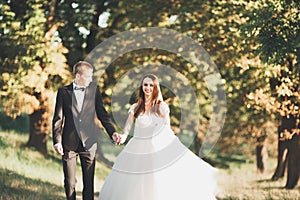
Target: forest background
{"x": 254, "y": 44}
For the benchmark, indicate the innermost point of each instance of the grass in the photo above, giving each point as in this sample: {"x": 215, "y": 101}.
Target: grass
{"x": 26, "y": 174}
{"x": 18, "y": 186}
{"x": 243, "y": 182}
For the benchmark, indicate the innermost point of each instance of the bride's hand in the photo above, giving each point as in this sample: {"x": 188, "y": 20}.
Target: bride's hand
{"x": 123, "y": 138}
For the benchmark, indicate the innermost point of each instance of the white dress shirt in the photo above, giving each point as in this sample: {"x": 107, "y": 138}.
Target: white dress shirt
{"x": 79, "y": 95}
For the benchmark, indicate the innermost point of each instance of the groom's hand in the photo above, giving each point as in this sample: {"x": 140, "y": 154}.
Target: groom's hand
{"x": 59, "y": 149}
{"x": 116, "y": 138}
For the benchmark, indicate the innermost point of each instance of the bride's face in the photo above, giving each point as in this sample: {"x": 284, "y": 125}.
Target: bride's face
{"x": 148, "y": 86}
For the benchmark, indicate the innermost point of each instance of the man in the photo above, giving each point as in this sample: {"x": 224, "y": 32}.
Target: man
{"x": 74, "y": 128}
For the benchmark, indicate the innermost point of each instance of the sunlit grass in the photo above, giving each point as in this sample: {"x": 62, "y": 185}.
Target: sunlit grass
{"x": 243, "y": 182}
{"x": 26, "y": 161}
{"x": 26, "y": 174}
{"x": 18, "y": 186}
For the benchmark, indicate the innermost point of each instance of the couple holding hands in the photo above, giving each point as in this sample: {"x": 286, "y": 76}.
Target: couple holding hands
{"x": 154, "y": 165}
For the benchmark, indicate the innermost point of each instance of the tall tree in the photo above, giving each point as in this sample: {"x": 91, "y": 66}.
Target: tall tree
{"x": 33, "y": 65}
{"x": 275, "y": 25}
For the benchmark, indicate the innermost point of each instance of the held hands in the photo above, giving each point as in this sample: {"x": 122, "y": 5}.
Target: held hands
{"x": 123, "y": 138}
{"x": 118, "y": 138}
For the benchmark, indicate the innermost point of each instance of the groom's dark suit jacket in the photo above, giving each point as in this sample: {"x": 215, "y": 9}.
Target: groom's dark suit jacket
{"x": 70, "y": 126}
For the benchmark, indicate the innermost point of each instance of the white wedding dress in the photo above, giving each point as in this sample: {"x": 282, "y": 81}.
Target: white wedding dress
{"x": 155, "y": 165}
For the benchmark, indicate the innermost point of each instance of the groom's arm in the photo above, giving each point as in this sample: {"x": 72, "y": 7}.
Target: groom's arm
{"x": 57, "y": 123}
{"x": 102, "y": 115}
{"x": 58, "y": 118}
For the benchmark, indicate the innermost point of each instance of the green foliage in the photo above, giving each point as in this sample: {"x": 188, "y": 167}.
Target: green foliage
{"x": 33, "y": 63}
{"x": 255, "y": 45}
{"x": 216, "y": 25}
{"x": 275, "y": 28}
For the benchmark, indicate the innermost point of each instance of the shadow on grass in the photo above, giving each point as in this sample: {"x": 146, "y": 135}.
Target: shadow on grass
{"x": 217, "y": 163}
{"x": 16, "y": 186}
{"x": 224, "y": 161}
{"x": 230, "y": 158}
{"x": 265, "y": 181}
{"x": 228, "y": 198}
{"x": 54, "y": 158}
{"x": 272, "y": 187}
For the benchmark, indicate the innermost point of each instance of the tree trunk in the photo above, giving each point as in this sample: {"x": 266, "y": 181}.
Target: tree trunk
{"x": 292, "y": 125}
{"x": 40, "y": 123}
{"x": 288, "y": 123}
{"x": 293, "y": 162}
{"x": 91, "y": 38}
{"x": 288, "y": 151}
{"x": 281, "y": 160}
{"x": 261, "y": 154}
{"x": 39, "y": 127}
{"x": 37, "y": 138}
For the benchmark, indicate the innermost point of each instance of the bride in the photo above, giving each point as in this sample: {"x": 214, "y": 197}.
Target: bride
{"x": 155, "y": 165}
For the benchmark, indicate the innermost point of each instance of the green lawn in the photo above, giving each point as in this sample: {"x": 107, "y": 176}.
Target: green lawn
{"x": 25, "y": 174}
{"x": 242, "y": 182}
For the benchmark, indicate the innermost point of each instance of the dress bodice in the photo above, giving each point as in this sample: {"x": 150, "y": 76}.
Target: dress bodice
{"x": 148, "y": 126}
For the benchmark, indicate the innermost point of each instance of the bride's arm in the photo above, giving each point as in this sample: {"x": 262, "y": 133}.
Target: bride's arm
{"x": 127, "y": 127}
{"x": 166, "y": 113}
{"x": 128, "y": 124}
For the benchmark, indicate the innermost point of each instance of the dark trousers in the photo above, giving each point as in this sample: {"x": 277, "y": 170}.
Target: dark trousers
{"x": 87, "y": 162}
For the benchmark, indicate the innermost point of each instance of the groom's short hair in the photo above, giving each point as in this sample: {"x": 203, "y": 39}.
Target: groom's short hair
{"x": 80, "y": 66}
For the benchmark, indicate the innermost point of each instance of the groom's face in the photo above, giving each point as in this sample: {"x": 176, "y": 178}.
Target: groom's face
{"x": 85, "y": 78}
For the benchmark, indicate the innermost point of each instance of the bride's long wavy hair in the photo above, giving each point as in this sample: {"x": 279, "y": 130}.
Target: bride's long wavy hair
{"x": 156, "y": 98}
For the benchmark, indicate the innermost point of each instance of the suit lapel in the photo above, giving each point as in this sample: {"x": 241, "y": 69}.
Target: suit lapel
{"x": 89, "y": 94}
{"x": 85, "y": 99}
{"x": 74, "y": 104}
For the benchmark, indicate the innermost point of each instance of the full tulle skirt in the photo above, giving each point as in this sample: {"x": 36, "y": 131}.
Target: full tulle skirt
{"x": 159, "y": 168}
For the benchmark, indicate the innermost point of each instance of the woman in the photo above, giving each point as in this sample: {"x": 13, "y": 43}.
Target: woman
{"x": 155, "y": 165}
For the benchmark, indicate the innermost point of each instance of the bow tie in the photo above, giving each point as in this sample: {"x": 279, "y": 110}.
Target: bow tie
{"x": 79, "y": 88}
